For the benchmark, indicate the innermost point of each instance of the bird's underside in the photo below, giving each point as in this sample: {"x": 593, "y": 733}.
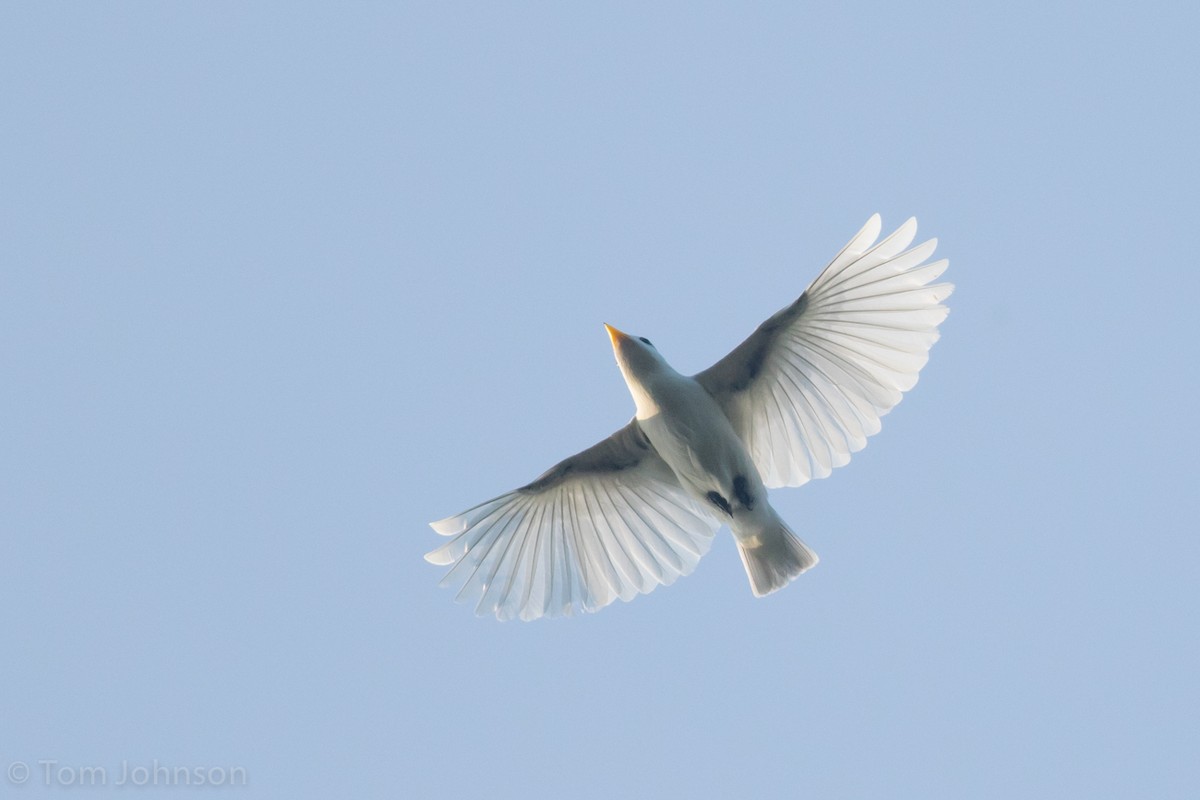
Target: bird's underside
{"x": 800, "y": 395}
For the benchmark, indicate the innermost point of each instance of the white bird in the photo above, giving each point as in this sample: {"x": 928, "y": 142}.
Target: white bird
{"x": 790, "y": 403}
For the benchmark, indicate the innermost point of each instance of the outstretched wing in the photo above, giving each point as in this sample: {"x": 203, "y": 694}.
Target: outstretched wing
{"x": 609, "y": 522}
{"x": 810, "y": 385}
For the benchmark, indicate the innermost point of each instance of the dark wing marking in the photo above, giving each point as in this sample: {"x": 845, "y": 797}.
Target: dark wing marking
{"x": 624, "y": 450}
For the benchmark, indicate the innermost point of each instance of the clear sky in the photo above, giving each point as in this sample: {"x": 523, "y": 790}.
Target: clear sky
{"x": 282, "y": 283}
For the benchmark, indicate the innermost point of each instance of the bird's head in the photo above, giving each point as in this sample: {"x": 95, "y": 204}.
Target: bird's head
{"x": 640, "y": 364}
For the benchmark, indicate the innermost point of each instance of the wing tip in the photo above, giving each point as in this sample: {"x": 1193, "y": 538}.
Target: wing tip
{"x": 870, "y": 231}
{"x": 448, "y": 526}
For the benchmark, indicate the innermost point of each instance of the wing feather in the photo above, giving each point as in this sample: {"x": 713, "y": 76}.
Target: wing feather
{"x": 608, "y": 522}
{"x": 808, "y": 388}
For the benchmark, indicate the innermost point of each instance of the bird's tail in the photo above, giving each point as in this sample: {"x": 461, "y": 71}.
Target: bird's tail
{"x": 772, "y": 554}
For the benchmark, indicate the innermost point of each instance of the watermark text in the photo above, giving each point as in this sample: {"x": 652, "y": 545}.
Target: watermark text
{"x": 48, "y": 773}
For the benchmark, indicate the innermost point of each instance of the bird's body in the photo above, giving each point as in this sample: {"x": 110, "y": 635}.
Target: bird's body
{"x": 690, "y": 432}
{"x": 693, "y": 436}
{"x": 791, "y": 402}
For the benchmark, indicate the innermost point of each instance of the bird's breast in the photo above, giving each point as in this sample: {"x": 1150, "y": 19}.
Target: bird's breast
{"x": 695, "y": 438}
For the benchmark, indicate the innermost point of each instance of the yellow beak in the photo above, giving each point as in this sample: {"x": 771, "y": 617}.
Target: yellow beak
{"x": 614, "y": 334}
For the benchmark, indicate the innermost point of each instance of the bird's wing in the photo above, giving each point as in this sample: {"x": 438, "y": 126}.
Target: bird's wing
{"x": 608, "y": 522}
{"x": 810, "y": 385}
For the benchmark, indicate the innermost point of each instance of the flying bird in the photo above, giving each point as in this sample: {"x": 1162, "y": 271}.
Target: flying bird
{"x": 788, "y": 404}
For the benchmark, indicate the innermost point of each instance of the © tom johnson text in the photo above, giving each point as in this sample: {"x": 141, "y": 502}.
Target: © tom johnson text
{"x": 49, "y": 772}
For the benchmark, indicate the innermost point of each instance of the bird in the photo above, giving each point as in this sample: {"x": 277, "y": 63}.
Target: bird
{"x": 790, "y": 403}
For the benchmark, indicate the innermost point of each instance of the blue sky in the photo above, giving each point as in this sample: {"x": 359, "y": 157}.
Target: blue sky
{"x": 281, "y": 283}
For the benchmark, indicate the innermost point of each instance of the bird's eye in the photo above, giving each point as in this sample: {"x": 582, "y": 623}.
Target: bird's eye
{"x": 647, "y": 341}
